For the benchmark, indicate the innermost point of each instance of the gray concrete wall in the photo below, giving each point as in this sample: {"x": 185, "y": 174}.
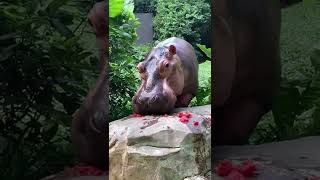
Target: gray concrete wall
{"x": 145, "y": 30}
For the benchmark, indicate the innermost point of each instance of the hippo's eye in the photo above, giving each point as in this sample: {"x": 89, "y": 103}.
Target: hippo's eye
{"x": 164, "y": 67}
{"x": 141, "y": 68}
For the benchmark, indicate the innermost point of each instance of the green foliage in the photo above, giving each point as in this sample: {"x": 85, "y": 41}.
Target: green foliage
{"x": 182, "y": 18}
{"x": 115, "y": 8}
{"x": 145, "y": 6}
{"x": 206, "y": 50}
{"x": 296, "y": 43}
{"x": 308, "y": 2}
{"x": 296, "y": 109}
{"x": 203, "y": 96}
{"x": 142, "y": 50}
{"x": 44, "y": 75}
{"x": 123, "y": 58}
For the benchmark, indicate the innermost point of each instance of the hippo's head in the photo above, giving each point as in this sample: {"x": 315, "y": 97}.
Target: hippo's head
{"x": 162, "y": 80}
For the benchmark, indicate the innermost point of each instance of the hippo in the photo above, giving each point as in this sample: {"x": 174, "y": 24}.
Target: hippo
{"x": 169, "y": 78}
{"x": 246, "y": 66}
{"x": 89, "y": 124}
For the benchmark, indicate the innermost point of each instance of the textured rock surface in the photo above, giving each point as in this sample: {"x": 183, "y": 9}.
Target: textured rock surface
{"x": 196, "y": 178}
{"x": 285, "y": 160}
{"x": 58, "y": 177}
{"x": 160, "y": 147}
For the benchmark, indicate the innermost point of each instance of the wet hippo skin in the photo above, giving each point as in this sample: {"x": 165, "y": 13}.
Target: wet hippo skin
{"x": 246, "y": 66}
{"x": 169, "y": 78}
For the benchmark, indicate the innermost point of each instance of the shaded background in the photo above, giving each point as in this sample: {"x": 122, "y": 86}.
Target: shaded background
{"x": 48, "y": 62}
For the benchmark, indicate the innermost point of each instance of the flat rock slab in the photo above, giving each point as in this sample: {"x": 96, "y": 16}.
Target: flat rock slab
{"x": 293, "y": 159}
{"x": 161, "y": 147}
{"x": 203, "y": 110}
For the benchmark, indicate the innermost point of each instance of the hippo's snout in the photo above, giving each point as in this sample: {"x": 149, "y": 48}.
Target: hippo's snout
{"x": 149, "y": 100}
{"x": 156, "y": 104}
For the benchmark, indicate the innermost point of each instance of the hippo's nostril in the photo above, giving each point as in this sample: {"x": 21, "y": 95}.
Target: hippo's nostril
{"x": 153, "y": 99}
{"x": 166, "y": 65}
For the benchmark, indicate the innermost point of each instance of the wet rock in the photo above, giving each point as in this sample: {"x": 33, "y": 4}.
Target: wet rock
{"x": 284, "y": 160}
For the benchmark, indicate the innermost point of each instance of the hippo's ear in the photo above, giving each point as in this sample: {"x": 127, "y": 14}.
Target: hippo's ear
{"x": 172, "y": 50}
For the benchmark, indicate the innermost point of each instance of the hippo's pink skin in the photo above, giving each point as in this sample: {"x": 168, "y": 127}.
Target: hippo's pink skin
{"x": 169, "y": 78}
{"x": 246, "y": 65}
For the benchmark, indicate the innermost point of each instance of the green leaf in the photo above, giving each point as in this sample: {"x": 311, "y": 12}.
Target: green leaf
{"x": 14, "y": 13}
{"x": 84, "y": 55}
{"x": 58, "y": 88}
{"x": 287, "y": 105}
{"x": 7, "y": 36}
{"x": 7, "y": 52}
{"x": 115, "y": 7}
{"x": 127, "y": 35}
{"x": 315, "y": 58}
{"x": 71, "y": 41}
{"x": 312, "y": 93}
{"x": 65, "y": 17}
{"x": 206, "y": 50}
{"x": 129, "y": 7}
{"x": 55, "y": 5}
{"x": 308, "y": 2}
{"x": 61, "y": 28}
{"x": 50, "y": 132}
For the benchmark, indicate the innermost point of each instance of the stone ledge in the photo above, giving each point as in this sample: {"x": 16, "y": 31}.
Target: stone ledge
{"x": 161, "y": 147}
{"x": 292, "y": 159}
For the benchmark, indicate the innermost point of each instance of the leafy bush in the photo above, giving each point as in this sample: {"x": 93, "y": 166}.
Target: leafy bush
{"x": 144, "y": 6}
{"x": 296, "y": 110}
{"x": 44, "y": 75}
{"x": 122, "y": 62}
{"x": 182, "y": 18}
{"x": 295, "y": 99}
{"x": 203, "y": 96}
